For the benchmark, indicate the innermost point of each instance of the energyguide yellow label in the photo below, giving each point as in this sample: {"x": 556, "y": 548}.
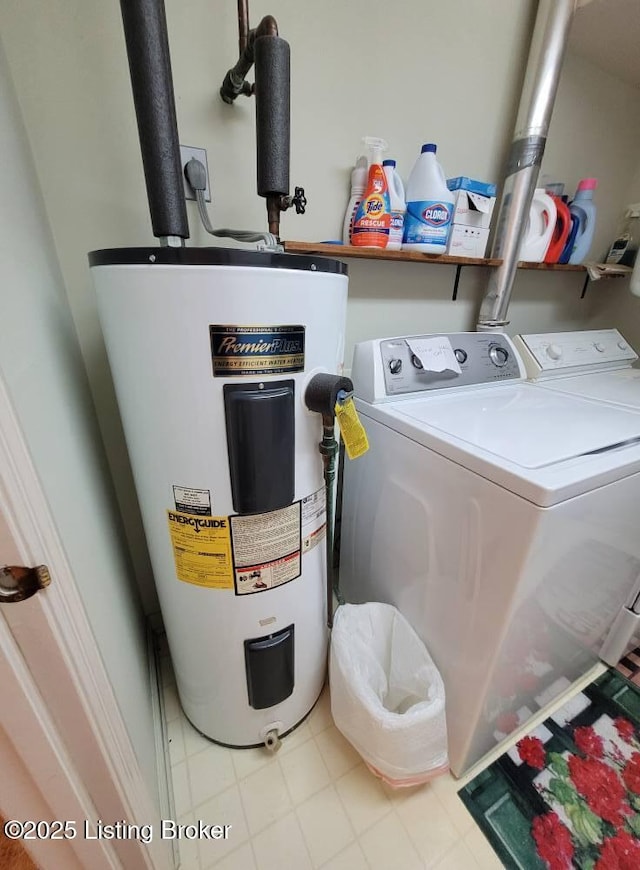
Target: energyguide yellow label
{"x": 201, "y": 549}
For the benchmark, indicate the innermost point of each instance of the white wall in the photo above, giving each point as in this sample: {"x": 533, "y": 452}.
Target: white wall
{"x": 595, "y": 131}
{"x": 617, "y": 304}
{"x": 41, "y": 365}
{"x": 416, "y": 71}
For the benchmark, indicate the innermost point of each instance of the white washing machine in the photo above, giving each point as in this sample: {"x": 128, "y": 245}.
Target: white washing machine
{"x": 489, "y": 511}
{"x": 597, "y": 364}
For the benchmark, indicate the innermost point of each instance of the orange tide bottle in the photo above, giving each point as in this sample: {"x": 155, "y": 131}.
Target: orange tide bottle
{"x": 372, "y": 220}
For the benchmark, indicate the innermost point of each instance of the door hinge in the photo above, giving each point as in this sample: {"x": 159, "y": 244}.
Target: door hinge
{"x": 18, "y": 583}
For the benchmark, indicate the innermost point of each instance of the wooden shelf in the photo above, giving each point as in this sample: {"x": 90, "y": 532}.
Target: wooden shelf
{"x": 344, "y": 252}
{"x": 347, "y": 251}
{"x": 550, "y": 267}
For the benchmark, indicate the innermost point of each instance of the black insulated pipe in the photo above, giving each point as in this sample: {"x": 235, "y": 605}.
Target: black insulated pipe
{"x": 322, "y": 392}
{"x": 272, "y": 91}
{"x": 145, "y": 30}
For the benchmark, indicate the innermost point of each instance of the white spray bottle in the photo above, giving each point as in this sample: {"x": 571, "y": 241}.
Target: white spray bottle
{"x": 358, "y": 186}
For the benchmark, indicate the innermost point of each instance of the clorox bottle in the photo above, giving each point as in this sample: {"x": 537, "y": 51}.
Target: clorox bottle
{"x": 372, "y": 222}
{"x": 429, "y": 206}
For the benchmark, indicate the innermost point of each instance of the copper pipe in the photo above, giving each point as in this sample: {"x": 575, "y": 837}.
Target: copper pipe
{"x": 243, "y": 24}
{"x": 267, "y": 27}
{"x": 273, "y": 213}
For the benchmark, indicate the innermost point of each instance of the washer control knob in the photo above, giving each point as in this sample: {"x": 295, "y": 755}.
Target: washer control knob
{"x": 622, "y": 345}
{"x": 395, "y": 366}
{"x": 461, "y": 355}
{"x": 554, "y": 351}
{"x": 416, "y": 361}
{"x": 498, "y": 355}
{"x": 599, "y": 347}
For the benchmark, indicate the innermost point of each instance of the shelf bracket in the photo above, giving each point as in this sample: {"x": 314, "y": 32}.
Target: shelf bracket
{"x": 456, "y": 282}
{"x": 584, "y": 286}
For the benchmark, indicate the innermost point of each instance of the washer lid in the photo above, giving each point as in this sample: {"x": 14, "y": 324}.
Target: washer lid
{"x": 526, "y": 425}
{"x": 620, "y": 387}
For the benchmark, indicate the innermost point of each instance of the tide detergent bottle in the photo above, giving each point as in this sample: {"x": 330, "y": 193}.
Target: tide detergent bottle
{"x": 372, "y": 221}
{"x": 429, "y": 206}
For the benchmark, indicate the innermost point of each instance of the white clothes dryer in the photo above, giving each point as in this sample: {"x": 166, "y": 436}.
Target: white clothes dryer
{"x": 489, "y": 511}
{"x": 596, "y": 364}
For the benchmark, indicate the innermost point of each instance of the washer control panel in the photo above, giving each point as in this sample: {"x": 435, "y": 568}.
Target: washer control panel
{"x": 546, "y": 354}
{"x": 418, "y": 363}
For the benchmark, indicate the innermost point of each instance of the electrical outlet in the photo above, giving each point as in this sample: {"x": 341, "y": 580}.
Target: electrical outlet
{"x": 186, "y": 153}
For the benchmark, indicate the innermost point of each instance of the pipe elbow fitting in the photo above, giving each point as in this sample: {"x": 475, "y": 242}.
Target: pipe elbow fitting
{"x": 267, "y": 27}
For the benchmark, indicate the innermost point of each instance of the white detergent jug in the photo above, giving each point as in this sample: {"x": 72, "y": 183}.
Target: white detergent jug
{"x": 542, "y": 220}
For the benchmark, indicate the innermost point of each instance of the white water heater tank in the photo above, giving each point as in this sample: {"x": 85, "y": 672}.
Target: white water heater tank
{"x": 211, "y": 350}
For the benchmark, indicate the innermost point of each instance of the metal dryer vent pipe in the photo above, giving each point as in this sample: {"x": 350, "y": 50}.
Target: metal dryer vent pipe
{"x": 145, "y": 30}
{"x": 548, "y": 46}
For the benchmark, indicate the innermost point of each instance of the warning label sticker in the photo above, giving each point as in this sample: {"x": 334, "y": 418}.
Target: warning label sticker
{"x": 266, "y": 549}
{"x": 259, "y": 578}
{"x": 192, "y": 501}
{"x": 314, "y": 519}
{"x": 201, "y": 549}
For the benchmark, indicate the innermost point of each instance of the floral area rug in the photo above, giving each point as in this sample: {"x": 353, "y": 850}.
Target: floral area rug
{"x": 568, "y": 794}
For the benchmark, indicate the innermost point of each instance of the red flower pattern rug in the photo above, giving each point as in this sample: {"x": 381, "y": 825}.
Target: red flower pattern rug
{"x": 568, "y": 794}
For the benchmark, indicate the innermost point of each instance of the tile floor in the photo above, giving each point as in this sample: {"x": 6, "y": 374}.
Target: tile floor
{"x": 312, "y": 805}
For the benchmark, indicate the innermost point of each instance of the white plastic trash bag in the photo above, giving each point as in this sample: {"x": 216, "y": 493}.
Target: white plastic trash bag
{"x": 387, "y": 696}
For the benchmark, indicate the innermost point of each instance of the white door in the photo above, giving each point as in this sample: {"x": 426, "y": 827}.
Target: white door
{"x": 42, "y": 799}
{"x": 65, "y": 754}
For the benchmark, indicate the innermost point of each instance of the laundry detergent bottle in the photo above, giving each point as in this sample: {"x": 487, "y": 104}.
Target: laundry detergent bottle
{"x": 398, "y": 205}
{"x": 561, "y": 231}
{"x": 563, "y": 259}
{"x": 543, "y": 215}
{"x": 584, "y": 209}
{"x": 429, "y": 205}
{"x": 372, "y": 221}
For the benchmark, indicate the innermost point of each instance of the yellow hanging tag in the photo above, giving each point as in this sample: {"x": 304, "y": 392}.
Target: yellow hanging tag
{"x": 352, "y": 430}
